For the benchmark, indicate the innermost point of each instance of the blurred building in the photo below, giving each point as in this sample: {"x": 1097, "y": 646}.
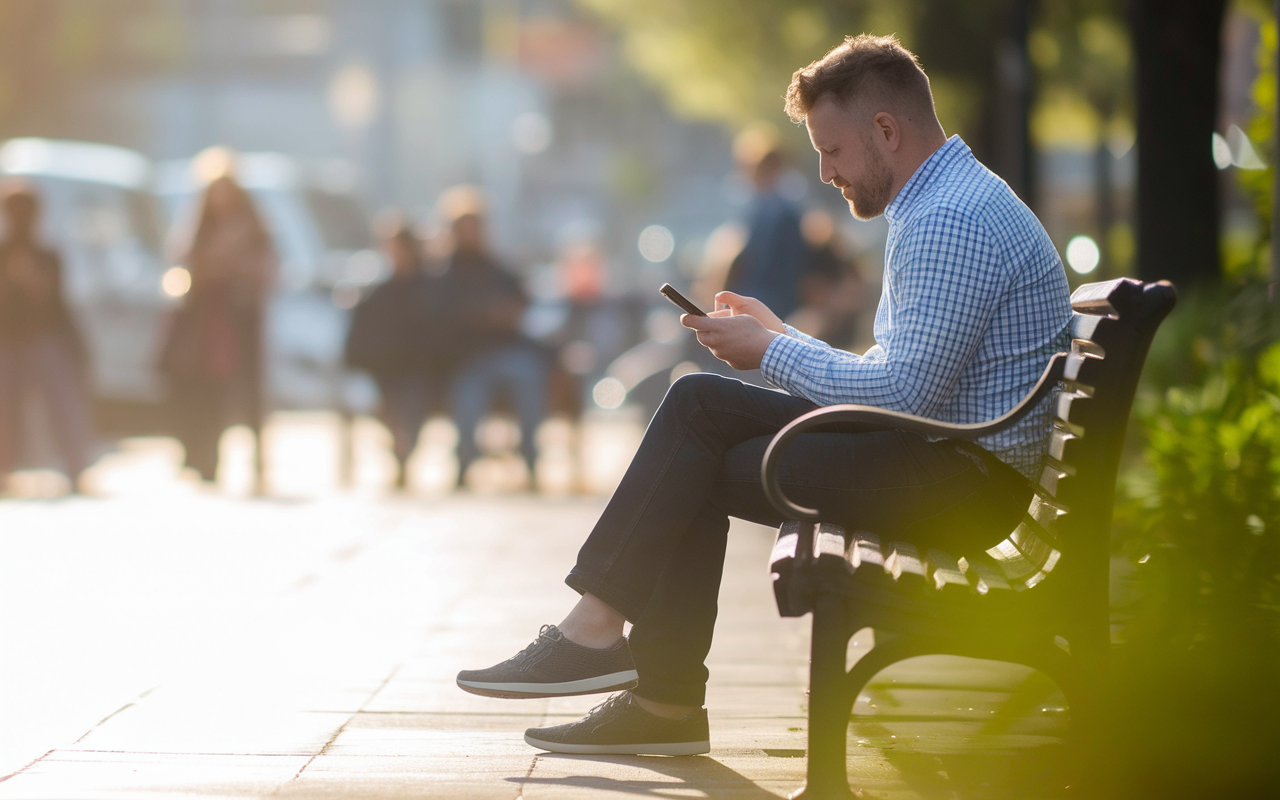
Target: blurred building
{"x": 530, "y": 100}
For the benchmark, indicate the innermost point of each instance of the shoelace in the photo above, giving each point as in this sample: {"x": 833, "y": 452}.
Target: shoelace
{"x": 533, "y": 647}
{"x": 619, "y": 699}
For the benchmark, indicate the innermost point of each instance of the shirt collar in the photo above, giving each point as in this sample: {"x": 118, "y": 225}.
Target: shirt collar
{"x": 951, "y": 150}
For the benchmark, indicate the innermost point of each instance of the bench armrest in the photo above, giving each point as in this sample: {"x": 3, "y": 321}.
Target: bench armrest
{"x": 855, "y": 417}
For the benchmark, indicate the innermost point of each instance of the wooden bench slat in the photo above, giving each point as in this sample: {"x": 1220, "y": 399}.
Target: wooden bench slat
{"x": 1036, "y": 545}
{"x": 904, "y": 560}
{"x": 1045, "y": 514}
{"x": 1086, "y": 326}
{"x": 988, "y": 578}
{"x": 865, "y": 550}
{"x": 830, "y": 541}
{"x": 1088, "y": 348}
{"x": 1012, "y": 563}
{"x": 944, "y": 570}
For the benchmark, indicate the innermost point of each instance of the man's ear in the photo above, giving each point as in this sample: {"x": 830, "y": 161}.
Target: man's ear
{"x": 887, "y": 130}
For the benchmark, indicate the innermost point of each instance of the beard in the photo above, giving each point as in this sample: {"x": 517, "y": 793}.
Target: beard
{"x": 871, "y": 196}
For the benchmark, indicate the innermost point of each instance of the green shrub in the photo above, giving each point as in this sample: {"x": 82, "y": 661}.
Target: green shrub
{"x": 1197, "y": 677}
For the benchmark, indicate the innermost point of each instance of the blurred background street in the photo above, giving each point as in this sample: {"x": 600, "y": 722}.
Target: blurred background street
{"x": 328, "y": 326}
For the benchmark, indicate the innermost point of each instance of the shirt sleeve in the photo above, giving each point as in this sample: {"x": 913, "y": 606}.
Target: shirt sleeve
{"x": 945, "y": 281}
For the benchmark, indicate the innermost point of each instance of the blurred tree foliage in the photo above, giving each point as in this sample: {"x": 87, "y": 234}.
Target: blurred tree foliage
{"x": 1195, "y": 689}
{"x": 731, "y": 60}
{"x": 48, "y": 47}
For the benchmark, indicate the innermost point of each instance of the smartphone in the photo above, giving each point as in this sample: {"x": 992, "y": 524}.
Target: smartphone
{"x": 668, "y": 291}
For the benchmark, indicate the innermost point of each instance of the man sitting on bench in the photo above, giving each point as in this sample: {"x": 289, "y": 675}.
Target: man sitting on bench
{"x": 975, "y": 303}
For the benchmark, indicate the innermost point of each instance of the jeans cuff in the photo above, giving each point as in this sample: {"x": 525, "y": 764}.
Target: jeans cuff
{"x": 674, "y": 694}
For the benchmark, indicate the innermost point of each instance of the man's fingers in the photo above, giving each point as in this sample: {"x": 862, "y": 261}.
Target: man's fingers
{"x": 723, "y": 312}
{"x": 734, "y": 300}
{"x": 698, "y": 323}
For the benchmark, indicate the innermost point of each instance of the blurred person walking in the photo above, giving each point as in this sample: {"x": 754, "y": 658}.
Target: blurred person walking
{"x": 487, "y": 303}
{"x": 775, "y": 257}
{"x": 40, "y": 346}
{"x": 399, "y": 335}
{"x": 214, "y": 352}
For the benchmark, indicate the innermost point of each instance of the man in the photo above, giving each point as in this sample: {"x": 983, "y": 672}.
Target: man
{"x": 975, "y": 302}
{"x": 400, "y": 335}
{"x": 487, "y": 304}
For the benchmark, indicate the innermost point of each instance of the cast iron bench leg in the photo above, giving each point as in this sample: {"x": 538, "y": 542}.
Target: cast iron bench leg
{"x": 830, "y": 700}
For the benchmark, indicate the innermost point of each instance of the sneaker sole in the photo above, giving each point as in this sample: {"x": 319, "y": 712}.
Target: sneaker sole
{"x": 603, "y": 683}
{"x": 659, "y": 749}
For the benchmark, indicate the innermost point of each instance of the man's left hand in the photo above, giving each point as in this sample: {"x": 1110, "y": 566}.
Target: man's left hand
{"x": 739, "y": 340}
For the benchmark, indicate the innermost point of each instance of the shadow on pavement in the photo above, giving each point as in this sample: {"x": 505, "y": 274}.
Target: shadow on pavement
{"x": 700, "y": 773}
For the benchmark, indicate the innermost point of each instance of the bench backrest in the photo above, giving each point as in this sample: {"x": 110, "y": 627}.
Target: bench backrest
{"x": 1067, "y": 526}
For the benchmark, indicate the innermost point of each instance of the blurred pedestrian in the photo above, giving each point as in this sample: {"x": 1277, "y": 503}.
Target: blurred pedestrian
{"x": 40, "y": 345}
{"x": 487, "y": 304}
{"x": 213, "y": 354}
{"x": 399, "y": 335}
{"x": 774, "y": 258}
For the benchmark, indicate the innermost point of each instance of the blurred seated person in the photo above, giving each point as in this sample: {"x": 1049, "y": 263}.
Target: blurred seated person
{"x": 399, "y": 335}
{"x": 40, "y": 346}
{"x": 832, "y": 292}
{"x": 486, "y": 304}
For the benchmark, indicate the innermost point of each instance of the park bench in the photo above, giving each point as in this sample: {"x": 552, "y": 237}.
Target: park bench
{"x": 1038, "y": 598}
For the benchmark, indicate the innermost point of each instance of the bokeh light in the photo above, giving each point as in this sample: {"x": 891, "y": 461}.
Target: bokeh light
{"x": 1083, "y": 255}
{"x": 531, "y": 133}
{"x": 609, "y": 393}
{"x": 176, "y": 281}
{"x": 656, "y": 243}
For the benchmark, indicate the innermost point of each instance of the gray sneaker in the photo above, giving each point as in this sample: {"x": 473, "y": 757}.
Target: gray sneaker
{"x": 619, "y": 726}
{"x": 553, "y": 666}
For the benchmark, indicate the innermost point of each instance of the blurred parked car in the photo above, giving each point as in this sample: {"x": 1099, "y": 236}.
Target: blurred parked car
{"x": 102, "y": 219}
{"x": 322, "y": 236}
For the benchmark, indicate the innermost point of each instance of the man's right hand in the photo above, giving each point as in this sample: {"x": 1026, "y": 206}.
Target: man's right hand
{"x": 732, "y": 304}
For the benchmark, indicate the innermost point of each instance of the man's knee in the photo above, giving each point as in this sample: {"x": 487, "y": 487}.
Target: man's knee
{"x": 699, "y": 386}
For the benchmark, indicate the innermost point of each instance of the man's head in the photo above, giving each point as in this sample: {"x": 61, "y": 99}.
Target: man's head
{"x": 869, "y": 111}
{"x": 402, "y": 246}
{"x": 758, "y": 151}
{"x": 21, "y": 209}
{"x": 464, "y": 208}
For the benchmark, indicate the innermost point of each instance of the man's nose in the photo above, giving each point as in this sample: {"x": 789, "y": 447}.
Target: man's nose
{"x": 825, "y": 171}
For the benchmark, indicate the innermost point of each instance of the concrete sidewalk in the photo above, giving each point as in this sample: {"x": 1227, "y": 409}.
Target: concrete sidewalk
{"x": 319, "y": 656}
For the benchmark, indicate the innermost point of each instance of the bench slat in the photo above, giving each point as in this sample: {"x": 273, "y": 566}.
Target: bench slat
{"x": 944, "y": 570}
{"x": 1012, "y": 562}
{"x": 865, "y": 550}
{"x": 1044, "y": 513}
{"x": 987, "y": 577}
{"x": 1035, "y": 544}
{"x": 904, "y": 560}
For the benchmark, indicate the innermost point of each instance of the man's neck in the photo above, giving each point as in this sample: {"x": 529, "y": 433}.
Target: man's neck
{"x": 913, "y": 158}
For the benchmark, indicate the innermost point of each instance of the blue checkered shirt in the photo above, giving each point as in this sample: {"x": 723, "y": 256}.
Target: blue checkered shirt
{"x": 974, "y": 303}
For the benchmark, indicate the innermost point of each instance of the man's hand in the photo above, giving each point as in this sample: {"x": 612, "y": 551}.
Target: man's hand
{"x": 737, "y": 335}
{"x": 731, "y": 304}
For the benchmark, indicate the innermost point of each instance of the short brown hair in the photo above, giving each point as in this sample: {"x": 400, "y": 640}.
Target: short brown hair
{"x": 869, "y": 67}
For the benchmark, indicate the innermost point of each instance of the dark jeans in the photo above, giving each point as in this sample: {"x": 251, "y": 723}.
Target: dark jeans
{"x": 518, "y": 368}
{"x": 657, "y": 553}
